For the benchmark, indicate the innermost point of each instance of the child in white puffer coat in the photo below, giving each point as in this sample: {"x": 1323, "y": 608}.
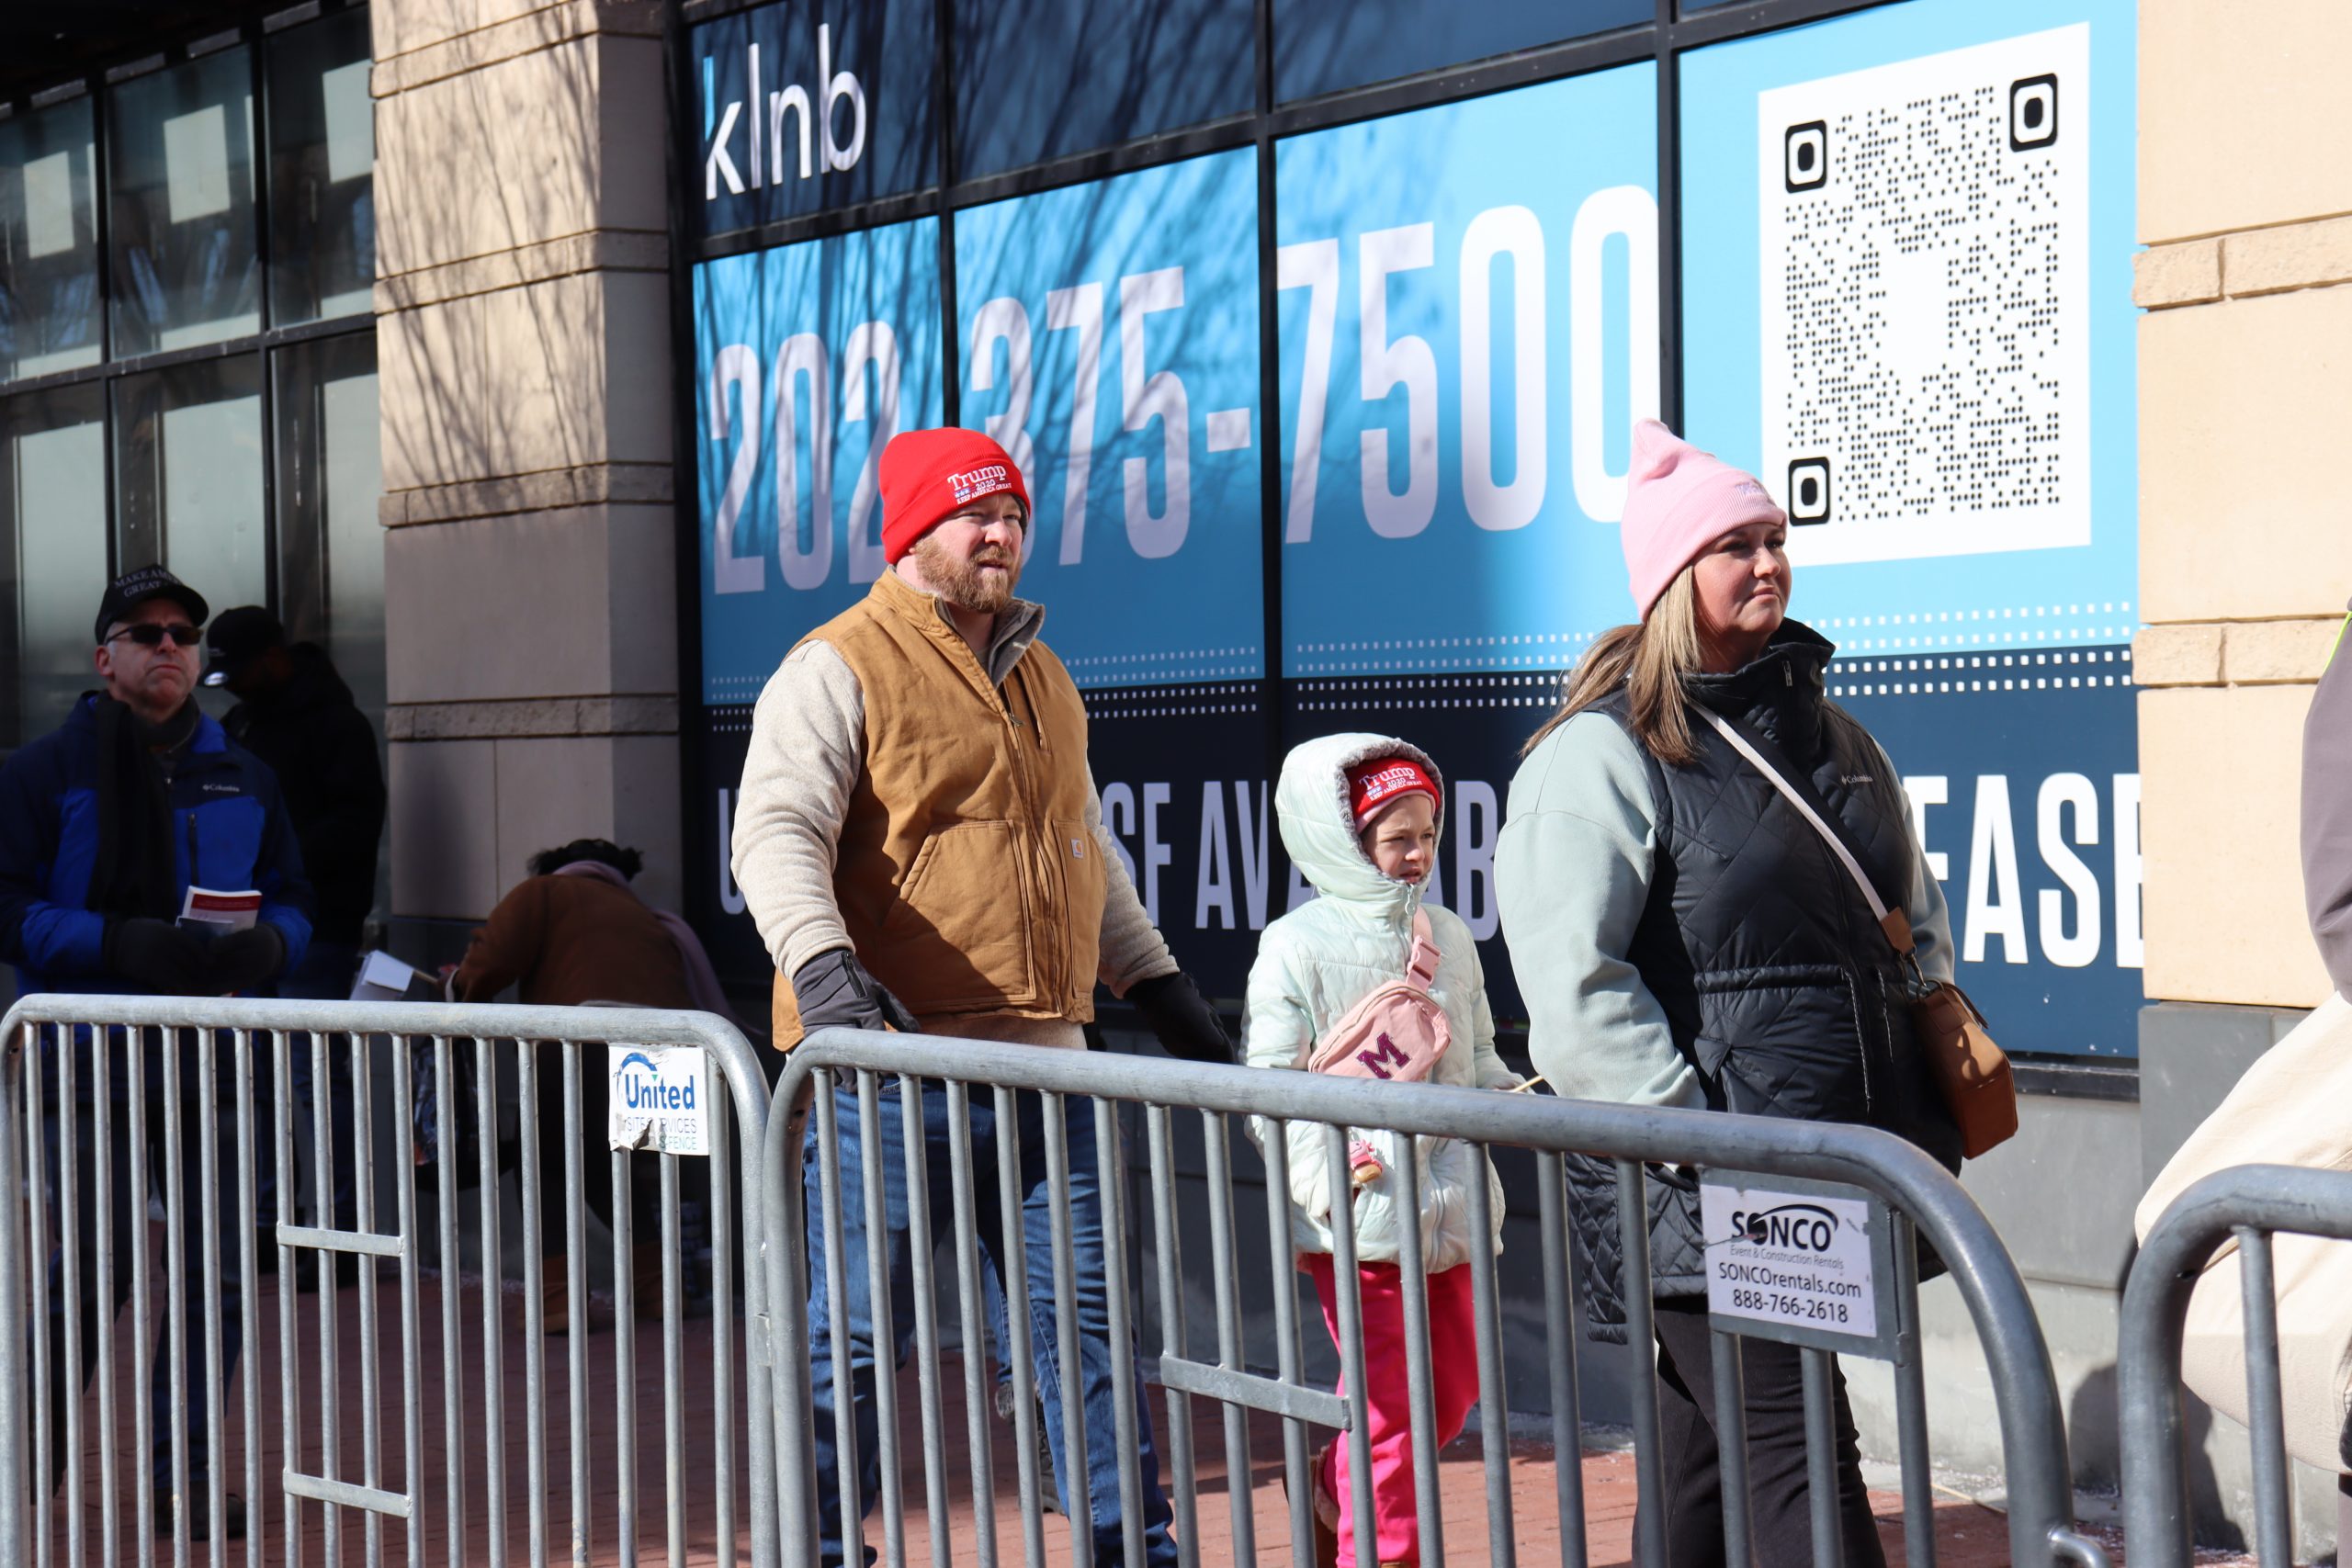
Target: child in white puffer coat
{"x": 1360, "y": 816}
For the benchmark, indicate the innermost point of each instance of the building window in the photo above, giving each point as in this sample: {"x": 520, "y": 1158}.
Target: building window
{"x": 322, "y": 171}
{"x": 49, "y": 242}
{"x": 54, "y": 546}
{"x": 187, "y": 350}
{"x": 187, "y": 477}
{"x": 329, "y": 473}
{"x": 185, "y": 254}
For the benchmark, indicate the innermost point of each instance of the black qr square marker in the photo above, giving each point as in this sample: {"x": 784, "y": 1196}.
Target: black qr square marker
{"x": 1809, "y": 490}
{"x": 1806, "y": 156}
{"x": 2033, "y": 113}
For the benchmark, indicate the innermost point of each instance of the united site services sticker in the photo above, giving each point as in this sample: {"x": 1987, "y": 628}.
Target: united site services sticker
{"x": 1789, "y": 1259}
{"x": 661, "y": 1100}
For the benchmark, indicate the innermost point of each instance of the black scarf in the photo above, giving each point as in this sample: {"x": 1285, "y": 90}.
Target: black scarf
{"x": 133, "y": 875}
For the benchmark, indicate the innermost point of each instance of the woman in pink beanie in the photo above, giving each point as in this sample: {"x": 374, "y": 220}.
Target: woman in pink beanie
{"x": 1683, "y": 936}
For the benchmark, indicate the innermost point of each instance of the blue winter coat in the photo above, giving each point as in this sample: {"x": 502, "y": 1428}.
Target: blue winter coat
{"x": 230, "y": 832}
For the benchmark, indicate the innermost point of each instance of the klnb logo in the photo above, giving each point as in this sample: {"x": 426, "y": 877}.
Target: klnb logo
{"x": 764, "y": 126}
{"x": 643, "y": 1091}
{"x": 1792, "y": 1227}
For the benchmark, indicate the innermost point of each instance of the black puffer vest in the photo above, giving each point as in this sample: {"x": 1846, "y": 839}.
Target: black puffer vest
{"x": 1780, "y": 988}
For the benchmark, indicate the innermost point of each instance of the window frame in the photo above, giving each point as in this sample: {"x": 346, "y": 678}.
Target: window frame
{"x": 255, "y": 30}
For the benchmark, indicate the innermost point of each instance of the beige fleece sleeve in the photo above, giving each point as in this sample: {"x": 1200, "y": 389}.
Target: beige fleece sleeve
{"x": 808, "y": 745}
{"x": 1132, "y": 947}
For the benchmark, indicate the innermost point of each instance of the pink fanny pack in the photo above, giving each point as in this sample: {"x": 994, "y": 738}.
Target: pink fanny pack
{"x": 1398, "y": 1033}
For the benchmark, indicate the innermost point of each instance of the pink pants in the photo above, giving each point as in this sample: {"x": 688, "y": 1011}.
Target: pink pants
{"x": 1453, "y": 1369}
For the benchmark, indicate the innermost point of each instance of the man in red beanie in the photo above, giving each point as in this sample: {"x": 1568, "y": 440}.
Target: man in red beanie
{"x": 919, "y": 838}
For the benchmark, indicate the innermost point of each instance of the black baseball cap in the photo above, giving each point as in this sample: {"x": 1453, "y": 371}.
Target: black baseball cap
{"x": 124, "y": 594}
{"x": 237, "y": 638}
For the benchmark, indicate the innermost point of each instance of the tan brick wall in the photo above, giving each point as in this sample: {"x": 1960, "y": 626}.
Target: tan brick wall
{"x": 2242, "y": 114}
{"x": 521, "y": 289}
{"x": 2246, "y": 523}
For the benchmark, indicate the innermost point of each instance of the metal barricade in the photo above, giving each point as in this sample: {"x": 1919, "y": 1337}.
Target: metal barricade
{"x": 104, "y": 1099}
{"x": 2250, "y": 1204}
{"x": 961, "y": 1078}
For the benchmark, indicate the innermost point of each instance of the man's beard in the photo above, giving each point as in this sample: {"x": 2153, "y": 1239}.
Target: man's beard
{"x": 960, "y": 580}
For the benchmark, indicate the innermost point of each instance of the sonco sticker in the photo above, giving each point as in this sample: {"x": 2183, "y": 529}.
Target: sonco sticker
{"x": 661, "y": 1100}
{"x": 1798, "y": 1261}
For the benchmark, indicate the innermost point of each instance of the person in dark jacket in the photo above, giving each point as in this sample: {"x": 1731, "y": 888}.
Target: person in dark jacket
{"x": 1684, "y": 936}
{"x": 295, "y": 713}
{"x": 105, "y": 825}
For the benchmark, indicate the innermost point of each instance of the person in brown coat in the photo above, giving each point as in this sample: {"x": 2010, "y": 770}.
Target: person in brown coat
{"x": 574, "y": 933}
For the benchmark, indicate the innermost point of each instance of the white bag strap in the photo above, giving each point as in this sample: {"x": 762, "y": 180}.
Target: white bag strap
{"x": 1893, "y": 922}
{"x": 1422, "y": 971}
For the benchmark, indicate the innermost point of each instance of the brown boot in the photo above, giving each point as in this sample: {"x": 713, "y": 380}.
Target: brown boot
{"x": 1326, "y": 1510}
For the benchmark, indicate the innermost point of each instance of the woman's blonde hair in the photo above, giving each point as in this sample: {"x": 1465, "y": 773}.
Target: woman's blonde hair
{"x": 1653, "y": 660}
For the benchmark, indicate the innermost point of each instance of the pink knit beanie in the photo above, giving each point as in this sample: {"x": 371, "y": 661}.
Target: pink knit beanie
{"x": 1678, "y": 501}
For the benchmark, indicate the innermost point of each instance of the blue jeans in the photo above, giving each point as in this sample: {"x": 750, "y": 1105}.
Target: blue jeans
{"x": 1092, "y": 1269}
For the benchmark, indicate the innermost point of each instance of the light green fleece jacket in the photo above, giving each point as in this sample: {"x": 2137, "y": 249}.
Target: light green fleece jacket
{"x": 1573, "y": 867}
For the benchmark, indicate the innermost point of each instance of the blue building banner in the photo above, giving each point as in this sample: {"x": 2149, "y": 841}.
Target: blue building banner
{"x": 1110, "y": 338}
{"x": 808, "y": 359}
{"x": 1908, "y": 239}
{"x": 1469, "y": 301}
{"x": 1907, "y": 236}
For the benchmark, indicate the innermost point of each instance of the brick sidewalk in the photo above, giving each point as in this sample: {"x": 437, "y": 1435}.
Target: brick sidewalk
{"x": 1967, "y": 1536}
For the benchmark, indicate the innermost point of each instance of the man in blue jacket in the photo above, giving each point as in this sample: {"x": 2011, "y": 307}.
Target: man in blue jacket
{"x": 104, "y": 824}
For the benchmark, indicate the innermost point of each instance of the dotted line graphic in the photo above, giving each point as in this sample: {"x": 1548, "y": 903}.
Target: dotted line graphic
{"x": 2009, "y": 625}
{"x": 2005, "y": 626}
{"x": 1983, "y": 673}
{"x": 1424, "y": 653}
{"x": 1189, "y": 656}
{"x": 1173, "y": 702}
{"x": 1945, "y": 675}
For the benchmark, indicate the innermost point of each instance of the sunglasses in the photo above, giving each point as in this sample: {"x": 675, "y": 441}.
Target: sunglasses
{"x": 148, "y": 634}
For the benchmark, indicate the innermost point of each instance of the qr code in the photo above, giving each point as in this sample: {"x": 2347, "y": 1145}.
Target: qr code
{"x": 1923, "y": 249}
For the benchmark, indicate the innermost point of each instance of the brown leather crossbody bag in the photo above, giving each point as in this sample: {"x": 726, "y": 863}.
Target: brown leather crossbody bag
{"x": 1971, "y": 1071}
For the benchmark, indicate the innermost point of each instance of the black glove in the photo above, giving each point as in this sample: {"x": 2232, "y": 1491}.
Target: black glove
{"x": 157, "y": 954}
{"x": 1187, "y": 1026}
{"x": 834, "y": 988}
{"x": 243, "y": 960}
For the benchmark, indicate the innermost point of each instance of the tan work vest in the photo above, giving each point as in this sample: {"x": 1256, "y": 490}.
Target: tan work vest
{"x": 966, "y": 875}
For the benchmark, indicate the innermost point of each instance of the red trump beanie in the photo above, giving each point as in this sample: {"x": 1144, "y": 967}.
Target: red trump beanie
{"x": 928, "y": 476}
{"x": 1374, "y": 786}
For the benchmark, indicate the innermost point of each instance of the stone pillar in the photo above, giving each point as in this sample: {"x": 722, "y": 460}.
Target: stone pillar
{"x": 2246, "y": 516}
{"x": 2245, "y": 541}
{"x": 523, "y": 323}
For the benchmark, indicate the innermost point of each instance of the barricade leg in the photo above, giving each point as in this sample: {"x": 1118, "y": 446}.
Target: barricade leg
{"x": 95, "y": 1160}
{"x": 16, "y": 1418}
{"x": 847, "y": 1323}
{"x": 1169, "y": 1246}
{"x": 1063, "y": 1209}
{"x": 1008, "y": 1256}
